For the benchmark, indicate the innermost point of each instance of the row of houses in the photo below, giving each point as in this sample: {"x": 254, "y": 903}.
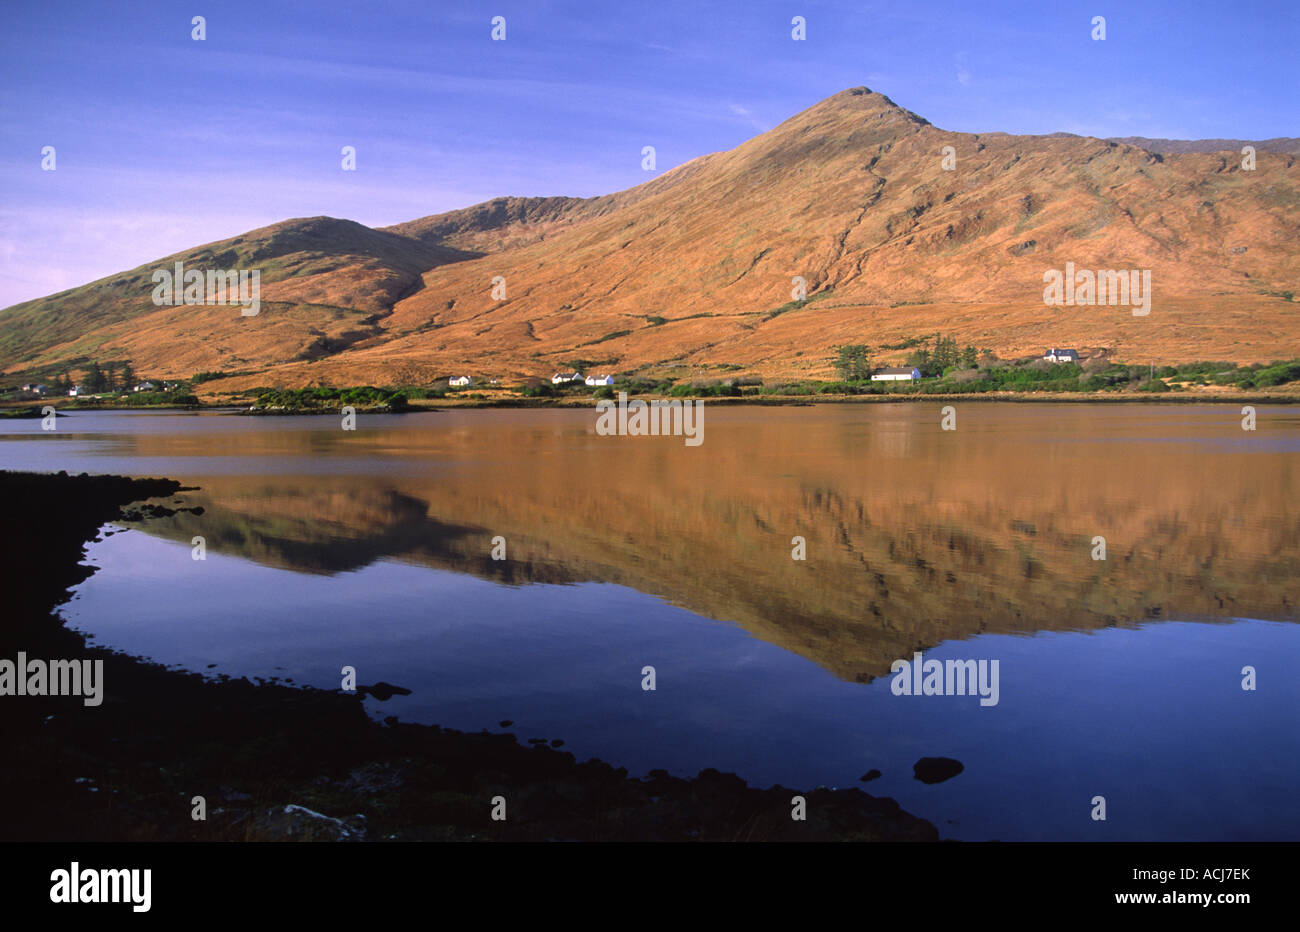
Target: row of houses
{"x": 142, "y": 387}
{"x": 888, "y": 374}
{"x": 563, "y": 378}
{"x": 37, "y": 388}
{"x": 466, "y": 381}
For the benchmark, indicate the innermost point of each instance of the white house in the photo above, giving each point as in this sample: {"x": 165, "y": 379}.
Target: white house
{"x": 600, "y": 380}
{"x": 560, "y": 378}
{"x": 896, "y": 374}
{"x": 146, "y": 387}
{"x": 460, "y": 381}
{"x": 1061, "y": 355}
{"x": 76, "y": 390}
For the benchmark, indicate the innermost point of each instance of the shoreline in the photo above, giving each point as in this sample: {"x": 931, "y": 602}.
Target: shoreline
{"x": 28, "y": 411}
{"x": 276, "y": 762}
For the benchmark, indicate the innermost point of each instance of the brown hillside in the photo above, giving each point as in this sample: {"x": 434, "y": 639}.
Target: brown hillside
{"x": 849, "y": 194}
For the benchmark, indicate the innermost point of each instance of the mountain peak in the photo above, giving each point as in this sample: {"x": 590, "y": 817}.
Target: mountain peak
{"x": 865, "y": 100}
{"x": 694, "y": 268}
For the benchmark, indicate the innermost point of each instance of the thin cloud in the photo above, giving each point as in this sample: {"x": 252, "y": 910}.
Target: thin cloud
{"x": 748, "y": 116}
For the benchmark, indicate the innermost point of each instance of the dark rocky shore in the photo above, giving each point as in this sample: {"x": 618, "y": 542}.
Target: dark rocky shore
{"x": 276, "y": 762}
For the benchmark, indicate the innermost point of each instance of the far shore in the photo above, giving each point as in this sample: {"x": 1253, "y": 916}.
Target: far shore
{"x": 27, "y": 409}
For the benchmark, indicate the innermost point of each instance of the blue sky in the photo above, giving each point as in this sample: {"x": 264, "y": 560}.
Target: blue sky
{"x": 164, "y": 142}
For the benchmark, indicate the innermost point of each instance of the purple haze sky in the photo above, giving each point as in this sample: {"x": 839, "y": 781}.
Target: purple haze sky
{"x": 164, "y": 142}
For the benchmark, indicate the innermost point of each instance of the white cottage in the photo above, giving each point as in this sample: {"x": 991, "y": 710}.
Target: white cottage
{"x": 1061, "y": 355}
{"x": 600, "y": 380}
{"x": 460, "y": 381}
{"x": 896, "y": 374}
{"x": 561, "y": 378}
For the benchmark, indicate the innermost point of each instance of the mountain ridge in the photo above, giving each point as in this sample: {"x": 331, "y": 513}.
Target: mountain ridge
{"x": 683, "y": 272}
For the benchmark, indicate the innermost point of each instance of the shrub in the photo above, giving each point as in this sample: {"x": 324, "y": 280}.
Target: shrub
{"x": 1277, "y": 374}
{"x": 324, "y": 396}
{"x": 159, "y": 398}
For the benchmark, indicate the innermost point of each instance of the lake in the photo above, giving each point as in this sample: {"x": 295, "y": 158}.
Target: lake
{"x": 1119, "y": 677}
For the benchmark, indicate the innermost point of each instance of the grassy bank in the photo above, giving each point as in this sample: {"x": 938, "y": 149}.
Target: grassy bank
{"x": 1028, "y": 379}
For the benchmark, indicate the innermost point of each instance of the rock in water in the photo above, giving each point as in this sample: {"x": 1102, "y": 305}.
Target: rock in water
{"x": 936, "y": 769}
{"x": 383, "y": 691}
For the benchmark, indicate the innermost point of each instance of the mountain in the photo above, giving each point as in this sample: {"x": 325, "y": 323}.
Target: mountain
{"x": 1287, "y": 145}
{"x": 692, "y": 270}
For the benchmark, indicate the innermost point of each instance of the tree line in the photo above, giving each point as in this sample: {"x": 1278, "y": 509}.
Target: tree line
{"x": 853, "y": 361}
{"x": 111, "y": 377}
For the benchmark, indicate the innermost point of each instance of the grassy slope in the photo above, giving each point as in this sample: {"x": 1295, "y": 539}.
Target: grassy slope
{"x": 850, "y": 194}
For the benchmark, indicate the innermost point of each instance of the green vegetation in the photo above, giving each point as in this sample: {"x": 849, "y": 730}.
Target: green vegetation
{"x": 1277, "y": 373}
{"x": 643, "y": 386}
{"x": 795, "y": 305}
{"x": 363, "y": 396}
{"x": 201, "y": 377}
{"x": 851, "y": 362}
{"x": 947, "y": 370}
{"x": 142, "y": 399}
{"x": 788, "y": 306}
{"x": 612, "y": 335}
{"x": 95, "y": 380}
{"x": 180, "y": 398}
{"x": 1039, "y": 376}
{"x": 695, "y": 316}
{"x": 942, "y": 357}
{"x": 708, "y": 389}
{"x": 113, "y": 376}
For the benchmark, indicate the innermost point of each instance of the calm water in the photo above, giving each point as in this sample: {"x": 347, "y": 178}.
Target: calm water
{"x": 1119, "y": 678}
